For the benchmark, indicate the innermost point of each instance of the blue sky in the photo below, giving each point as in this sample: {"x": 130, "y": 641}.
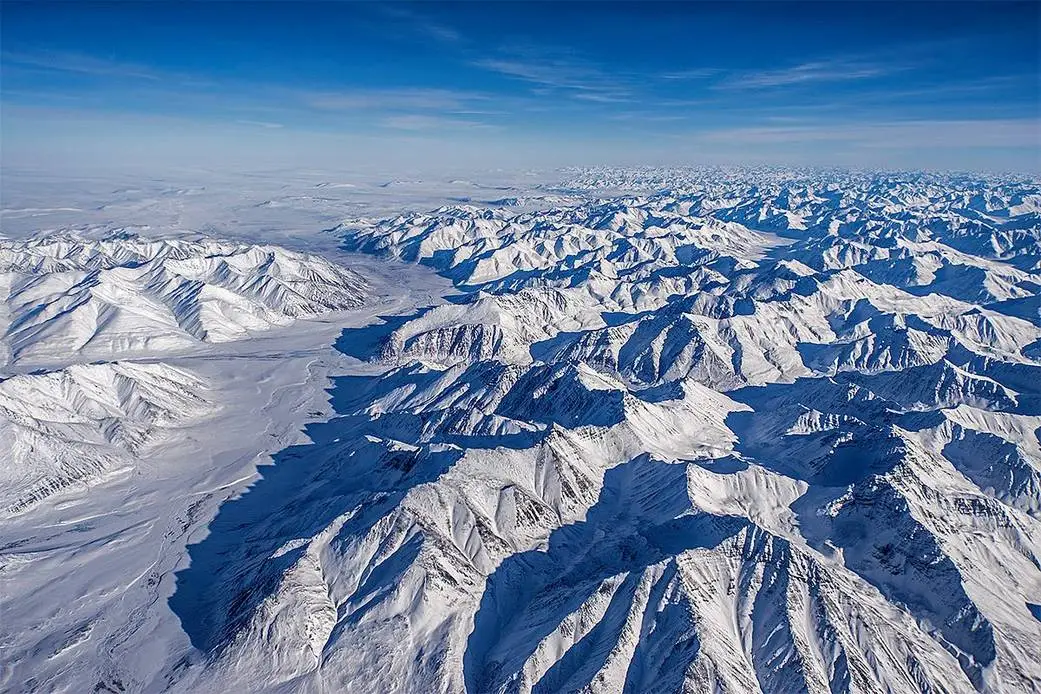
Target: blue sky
{"x": 912, "y": 85}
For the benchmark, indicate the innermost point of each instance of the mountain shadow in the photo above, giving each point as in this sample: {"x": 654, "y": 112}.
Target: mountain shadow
{"x": 643, "y": 517}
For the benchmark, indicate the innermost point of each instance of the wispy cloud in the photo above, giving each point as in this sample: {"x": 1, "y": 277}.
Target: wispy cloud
{"x": 440, "y": 32}
{"x": 420, "y": 122}
{"x": 578, "y": 79}
{"x": 422, "y": 24}
{"x": 807, "y": 73}
{"x": 647, "y": 117}
{"x": 393, "y": 100}
{"x": 915, "y": 134}
{"x": 79, "y": 63}
{"x": 691, "y": 74}
{"x": 604, "y": 97}
{"x": 934, "y": 91}
{"x": 259, "y": 124}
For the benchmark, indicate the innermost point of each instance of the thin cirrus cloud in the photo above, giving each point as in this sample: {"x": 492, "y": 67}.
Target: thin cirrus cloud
{"x": 579, "y": 80}
{"x": 420, "y": 23}
{"x": 99, "y": 68}
{"x": 405, "y": 108}
{"x": 393, "y": 100}
{"x": 1009, "y": 132}
{"x": 691, "y": 74}
{"x": 78, "y": 63}
{"x": 422, "y": 122}
{"x": 260, "y": 124}
{"x": 808, "y": 73}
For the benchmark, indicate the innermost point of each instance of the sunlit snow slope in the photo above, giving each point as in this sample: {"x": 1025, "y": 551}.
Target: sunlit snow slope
{"x": 738, "y": 432}
{"x": 66, "y": 426}
{"x": 128, "y": 295}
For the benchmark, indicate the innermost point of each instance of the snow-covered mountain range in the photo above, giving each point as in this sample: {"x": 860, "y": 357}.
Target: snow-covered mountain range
{"x": 124, "y": 295}
{"x": 673, "y": 430}
{"x": 768, "y": 432}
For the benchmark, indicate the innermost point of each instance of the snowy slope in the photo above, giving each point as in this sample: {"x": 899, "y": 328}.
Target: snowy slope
{"x": 65, "y": 427}
{"x": 123, "y": 294}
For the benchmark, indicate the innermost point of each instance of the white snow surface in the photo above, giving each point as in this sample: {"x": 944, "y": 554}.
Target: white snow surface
{"x": 671, "y": 431}
{"x": 124, "y": 294}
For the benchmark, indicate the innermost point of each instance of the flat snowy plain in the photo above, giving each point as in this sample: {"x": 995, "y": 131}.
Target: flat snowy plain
{"x": 595, "y": 430}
